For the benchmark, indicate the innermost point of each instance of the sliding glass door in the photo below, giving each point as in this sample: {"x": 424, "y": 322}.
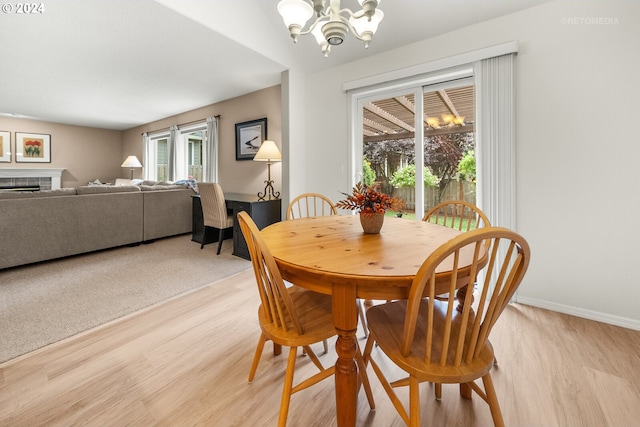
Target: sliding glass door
{"x": 442, "y": 167}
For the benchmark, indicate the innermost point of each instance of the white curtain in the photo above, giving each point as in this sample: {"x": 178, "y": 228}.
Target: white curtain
{"x": 495, "y": 145}
{"x": 211, "y": 151}
{"x": 171, "y": 152}
{"x": 146, "y": 156}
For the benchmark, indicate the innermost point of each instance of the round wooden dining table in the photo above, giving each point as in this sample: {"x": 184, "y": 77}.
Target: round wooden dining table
{"x": 332, "y": 255}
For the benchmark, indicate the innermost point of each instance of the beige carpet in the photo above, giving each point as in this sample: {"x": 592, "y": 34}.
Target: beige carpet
{"x": 47, "y": 302}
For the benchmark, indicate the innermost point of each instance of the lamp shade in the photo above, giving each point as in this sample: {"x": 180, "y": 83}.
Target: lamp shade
{"x": 295, "y": 12}
{"x": 364, "y": 24}
{"x": 268, "y": 152}
{"x": 131, "y": 162}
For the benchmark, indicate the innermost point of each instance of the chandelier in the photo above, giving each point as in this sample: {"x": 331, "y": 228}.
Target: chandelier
{"x": 332, "y": 23}
{"x": 448, "y": 120}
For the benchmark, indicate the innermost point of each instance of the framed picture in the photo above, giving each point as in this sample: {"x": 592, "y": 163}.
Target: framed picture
{"x": 33, "y": 147}
{"x": 249, "y": 137}
{"x": 5, "y": 146}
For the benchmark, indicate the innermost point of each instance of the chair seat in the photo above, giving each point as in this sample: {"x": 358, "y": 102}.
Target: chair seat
{"x": 228, "y": 223}
{"x": 386, "y": 323}
{"x": 314, "y": 314}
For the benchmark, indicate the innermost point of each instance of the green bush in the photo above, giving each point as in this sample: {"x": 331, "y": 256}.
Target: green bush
{"x": 467, "y": 166}
{"x": 368, "y": 175}
{"x": 406, "y": 177}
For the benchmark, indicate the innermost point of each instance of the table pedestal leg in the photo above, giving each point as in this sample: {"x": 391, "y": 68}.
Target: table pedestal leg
{"x": 346, "y": 321}
{"x": 461, "y": 294}
{"x": 346, "y": 380}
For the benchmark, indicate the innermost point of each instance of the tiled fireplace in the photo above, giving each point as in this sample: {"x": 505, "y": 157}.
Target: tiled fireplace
{"x": 45, "y": 178}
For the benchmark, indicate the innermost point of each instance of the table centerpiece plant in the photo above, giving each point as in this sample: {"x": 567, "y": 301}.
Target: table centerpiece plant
{"x": 371, "y": 204}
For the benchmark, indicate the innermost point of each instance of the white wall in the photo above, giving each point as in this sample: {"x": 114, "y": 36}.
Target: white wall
{"x": 293, "y": 137}
{"x": 576, "y": 95}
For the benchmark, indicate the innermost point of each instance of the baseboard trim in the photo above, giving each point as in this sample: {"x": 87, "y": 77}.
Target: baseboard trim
{"x": 580, "y": 312}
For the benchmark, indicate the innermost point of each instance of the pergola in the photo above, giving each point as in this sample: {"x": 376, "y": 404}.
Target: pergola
{"x": 393, "y": 118}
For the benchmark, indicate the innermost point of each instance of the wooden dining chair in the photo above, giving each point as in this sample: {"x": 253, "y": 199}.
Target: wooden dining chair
{"x": 310, "y": 204}
{"x": 430, "y": 340}
{"x": 214, "y": 210}
{"x": 290, "y": 316}
{"x": 458, "y": 214}
{"x": 314, "y": 204}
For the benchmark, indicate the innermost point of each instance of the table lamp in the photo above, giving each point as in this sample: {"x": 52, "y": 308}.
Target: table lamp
{"x": 268, "y": 152}
{"x": 131, "y": 162}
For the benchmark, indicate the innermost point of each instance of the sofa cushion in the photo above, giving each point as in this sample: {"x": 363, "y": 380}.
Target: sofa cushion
{"x": 37, "y": 194}
{"x": 159, "y": 187}
{"x": 99, "y": 189}
{"x": 148, "y": 182}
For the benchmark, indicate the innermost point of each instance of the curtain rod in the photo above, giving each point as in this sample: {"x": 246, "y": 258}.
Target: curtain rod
{"x": 217, "y": 116}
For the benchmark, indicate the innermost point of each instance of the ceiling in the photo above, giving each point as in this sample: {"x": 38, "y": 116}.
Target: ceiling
{"x": 117, "y": 64}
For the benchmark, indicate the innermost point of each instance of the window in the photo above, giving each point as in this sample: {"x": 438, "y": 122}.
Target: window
{"x": 157, "y": 157}
{"x": 194, "y": 154}
{"x": 189, "y": 154}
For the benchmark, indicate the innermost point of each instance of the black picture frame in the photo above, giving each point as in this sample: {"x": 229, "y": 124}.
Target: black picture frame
{"x": 249, "y": 137}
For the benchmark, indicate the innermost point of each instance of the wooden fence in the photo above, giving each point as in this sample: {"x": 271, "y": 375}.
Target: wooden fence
{"x": 455, "y": 190}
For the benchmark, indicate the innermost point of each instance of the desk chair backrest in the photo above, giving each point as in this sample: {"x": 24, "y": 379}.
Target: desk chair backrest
{"x": 214, "y": 209}
{"x": 310, "y": 204}
{"x": 458, "y": 214}
{"x": 452, "y": 337}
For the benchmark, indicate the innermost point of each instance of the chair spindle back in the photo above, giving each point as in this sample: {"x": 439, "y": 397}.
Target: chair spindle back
{"x": 309, "y": 205}
{"x": 458, "y": 214}
{"x": 276, "y": 301}
{"x": 461, "y": 336}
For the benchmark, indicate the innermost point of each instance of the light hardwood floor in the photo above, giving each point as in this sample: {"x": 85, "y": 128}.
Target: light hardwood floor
{"x": 185, "y": 363}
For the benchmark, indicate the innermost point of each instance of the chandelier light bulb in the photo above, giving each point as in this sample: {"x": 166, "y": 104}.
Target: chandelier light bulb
{"x": 433, "y": 123}
{"x": 447, "y": 119}
{"x": 458, "y": 120}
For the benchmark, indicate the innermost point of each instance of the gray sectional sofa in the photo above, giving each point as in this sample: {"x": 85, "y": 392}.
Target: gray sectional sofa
{"x": 52, "y": 224}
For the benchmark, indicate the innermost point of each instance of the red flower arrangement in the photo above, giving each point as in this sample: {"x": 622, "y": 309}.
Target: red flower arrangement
{"x": 367, "y": 200}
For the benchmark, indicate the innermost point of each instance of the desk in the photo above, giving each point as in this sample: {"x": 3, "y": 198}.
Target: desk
{"x": 263, "y": 213}
{"x": 332, "y": 255}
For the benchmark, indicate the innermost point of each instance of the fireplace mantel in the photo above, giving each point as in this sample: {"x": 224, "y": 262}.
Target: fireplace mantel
{"x": 54, "y": 173}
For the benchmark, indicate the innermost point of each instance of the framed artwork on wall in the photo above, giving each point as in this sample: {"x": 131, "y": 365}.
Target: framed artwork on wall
{"x": 33, "y": 147}
{"x": 5, "y": 146}
{"x": 249, "y": 137}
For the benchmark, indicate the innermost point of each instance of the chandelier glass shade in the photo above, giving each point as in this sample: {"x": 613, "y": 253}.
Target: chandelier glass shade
{"x": 332, "y": 23}
{"x": 448, "y": 120}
